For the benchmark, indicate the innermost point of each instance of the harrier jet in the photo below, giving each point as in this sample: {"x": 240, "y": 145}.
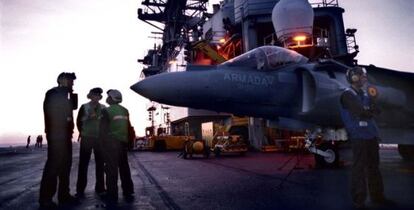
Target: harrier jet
{"x": 290, "y": 91}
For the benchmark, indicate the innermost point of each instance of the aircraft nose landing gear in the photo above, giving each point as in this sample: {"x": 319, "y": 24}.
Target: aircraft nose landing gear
{"x": 326, "y": 152}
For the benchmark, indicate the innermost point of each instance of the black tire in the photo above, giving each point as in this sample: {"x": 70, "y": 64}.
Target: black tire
{"x": 406, "y": 151}
{"x": 217, "y": 152}
{"x": 206, "y": 152}
{"x": 160, "y": 145}
{"x": 327, "y": 162}
{"x": 186, "y": 150}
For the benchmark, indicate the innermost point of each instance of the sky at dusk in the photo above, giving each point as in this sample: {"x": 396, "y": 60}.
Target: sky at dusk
{"x": 100, "y": 40}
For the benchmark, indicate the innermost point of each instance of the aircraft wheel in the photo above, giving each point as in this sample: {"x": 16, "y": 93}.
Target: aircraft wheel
{"x": 406, "y": 151}
{"x": 332, "y": 160}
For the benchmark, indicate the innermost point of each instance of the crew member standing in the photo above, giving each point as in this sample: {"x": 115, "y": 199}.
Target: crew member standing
{"x": 39, "y": 140}
{"x": 28, "y": 142}
{"x": 88, "y": 121}
{"x": 358, "y": 108}
{"x": 58, "y": 109}
{"x": 115, "y": 126}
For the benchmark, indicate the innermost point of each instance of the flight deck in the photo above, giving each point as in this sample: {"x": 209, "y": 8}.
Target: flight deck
{"x": 254, "y": 181}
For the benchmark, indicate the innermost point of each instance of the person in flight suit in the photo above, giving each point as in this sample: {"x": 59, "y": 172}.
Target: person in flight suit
{"x": 58, "y": 109}
{"x": 115, "y": 125}
{"x": 88, "y": 121}
{"x": 358, "y": 109}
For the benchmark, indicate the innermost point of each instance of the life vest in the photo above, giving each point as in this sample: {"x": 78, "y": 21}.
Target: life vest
{"x": 118, "y": 122}
{"x": 359, "y": 129}
{"x": 91, "y": 120}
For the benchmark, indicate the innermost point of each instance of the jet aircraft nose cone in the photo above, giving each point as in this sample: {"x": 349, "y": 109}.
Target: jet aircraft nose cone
{"x": 173, "y": 88}
{"x": 143, "y": 87}
{"x": 161, "y": 88}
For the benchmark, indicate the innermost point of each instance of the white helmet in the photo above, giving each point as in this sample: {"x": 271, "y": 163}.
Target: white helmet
{"x": 115, "y": 95}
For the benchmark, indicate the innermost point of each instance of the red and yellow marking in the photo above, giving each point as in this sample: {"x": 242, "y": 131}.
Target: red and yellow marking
{"x": 372, "y": 91}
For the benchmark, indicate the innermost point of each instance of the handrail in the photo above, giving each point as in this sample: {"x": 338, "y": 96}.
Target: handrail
{"x": 324, "y": 3}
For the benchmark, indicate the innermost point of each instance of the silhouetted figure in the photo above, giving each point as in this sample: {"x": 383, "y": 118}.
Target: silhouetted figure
{"x": 114, "y": 131}
{"x": 39, "y": 140}
{"x": 88, "y": 121}
{"x": 58, "y": 109}
{"x": 28, "y": 142}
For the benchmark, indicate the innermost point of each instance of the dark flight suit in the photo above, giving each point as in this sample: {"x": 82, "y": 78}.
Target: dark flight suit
{"x": 58, "y": 114}
{"x": 357, "y": 111}
{"x": 114, "y": 129}
{"x": 88, "y": 121}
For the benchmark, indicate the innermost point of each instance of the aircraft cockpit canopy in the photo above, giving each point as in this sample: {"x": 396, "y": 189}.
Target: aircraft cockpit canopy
{"x": 267, "y": 58}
